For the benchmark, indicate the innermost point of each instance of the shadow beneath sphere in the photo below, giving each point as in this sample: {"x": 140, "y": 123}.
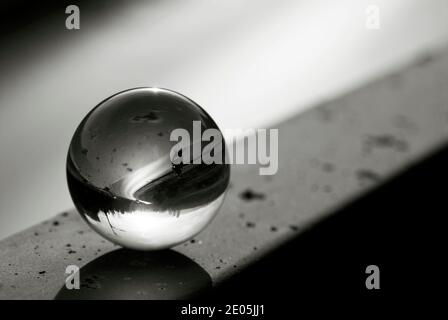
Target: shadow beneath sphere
{"x": 127, "y": 274}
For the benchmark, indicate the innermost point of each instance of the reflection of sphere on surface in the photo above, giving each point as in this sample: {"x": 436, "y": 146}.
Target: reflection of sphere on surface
{"x": 121, "y": 177}
{"x": 127, "y": 274}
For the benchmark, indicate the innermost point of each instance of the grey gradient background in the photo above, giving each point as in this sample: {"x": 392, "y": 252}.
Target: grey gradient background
{"x": 248, "y": 63}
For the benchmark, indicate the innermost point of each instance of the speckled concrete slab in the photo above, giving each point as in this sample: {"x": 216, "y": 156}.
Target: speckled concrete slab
{"x": 327, "y": 156}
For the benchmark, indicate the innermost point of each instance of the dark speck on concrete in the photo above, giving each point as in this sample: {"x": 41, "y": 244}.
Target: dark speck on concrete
{"x": 249, "y": 195}
{"x": 367, "y": 175}
{"x": 84, "y": 151}
{"x": 328, "y": 167}
{"x": 255, "y": 248}
{"x": 80, "y": 232}
{"x": 71, "y": 251}
{"x": 273, "y": 228}
{"x": 192, "y": 241}
{"x": 83, "y": 246}
{"x": 160, "y": 134}
{"x": 294, "y": 227}
{"x": 97, "y": 158}
{"x": 425, "y": 59}
{"x": 64, "y": 214}
{"x": 385, "y": 141}
{"x": 42, "y": 272}
{"x": 129, "y": 169}
{"x": 124, "y": 164}
{"x": 36, "y": 233}
{"x": 55, "y": 223}
{"x": 250, "y": 224}
{"x": 68, "y": 245}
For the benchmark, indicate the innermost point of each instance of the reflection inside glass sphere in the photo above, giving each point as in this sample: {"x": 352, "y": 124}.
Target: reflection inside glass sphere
{"x": 121, "y": 177}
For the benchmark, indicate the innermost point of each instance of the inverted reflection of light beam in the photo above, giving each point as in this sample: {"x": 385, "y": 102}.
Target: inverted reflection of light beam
{"x": 142, "y": 228}
{"x": 132, "y": 182}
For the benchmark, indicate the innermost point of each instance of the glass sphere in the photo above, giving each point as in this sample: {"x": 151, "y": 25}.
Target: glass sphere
{"x": 122, "y": 178}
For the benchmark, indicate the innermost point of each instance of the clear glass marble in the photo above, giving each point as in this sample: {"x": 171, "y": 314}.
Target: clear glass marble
{"x": 121, "y": 177}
